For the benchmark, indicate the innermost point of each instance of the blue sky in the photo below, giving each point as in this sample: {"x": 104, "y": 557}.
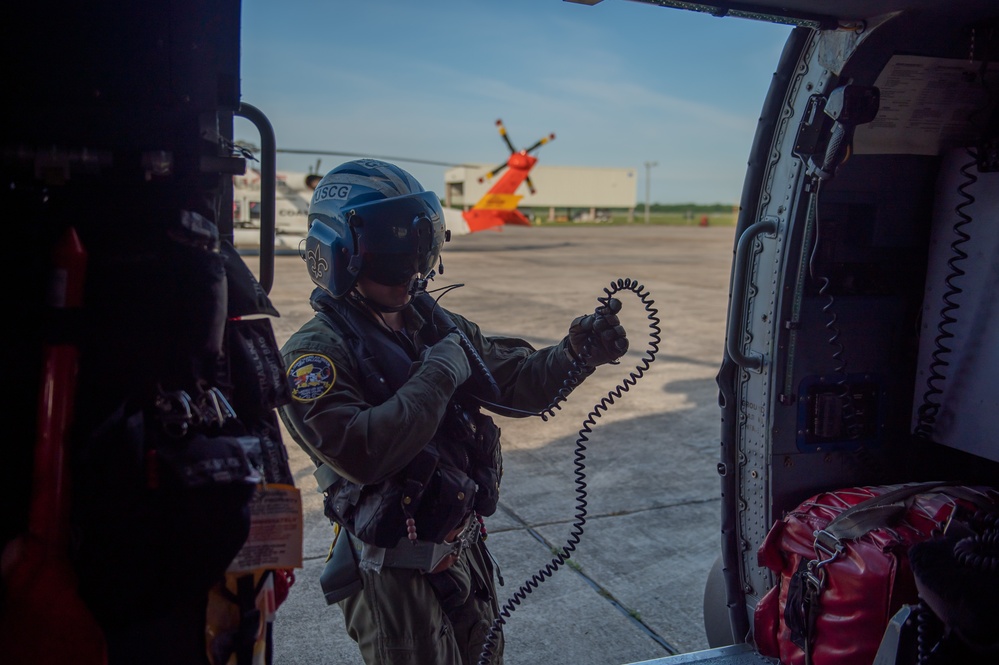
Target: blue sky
{"x": 620, "y": 84}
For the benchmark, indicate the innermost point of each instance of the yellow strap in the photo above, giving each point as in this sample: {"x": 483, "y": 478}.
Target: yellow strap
{"x": 336, "y": 535}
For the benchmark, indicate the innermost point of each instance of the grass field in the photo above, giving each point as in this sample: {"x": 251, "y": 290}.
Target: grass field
{"x": 656, "y": 218}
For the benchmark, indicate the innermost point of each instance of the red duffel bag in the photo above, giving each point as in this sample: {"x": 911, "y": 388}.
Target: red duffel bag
{"x": 843, "y": 567}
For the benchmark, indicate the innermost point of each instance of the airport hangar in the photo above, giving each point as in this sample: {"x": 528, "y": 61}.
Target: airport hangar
{"x": 562, "y": 193}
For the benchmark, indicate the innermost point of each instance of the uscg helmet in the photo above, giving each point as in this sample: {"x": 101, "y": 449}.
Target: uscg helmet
{"x": 372, "y": 218}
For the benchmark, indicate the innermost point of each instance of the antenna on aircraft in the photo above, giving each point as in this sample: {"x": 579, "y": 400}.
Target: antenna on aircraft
{"x": 513, "y": 151}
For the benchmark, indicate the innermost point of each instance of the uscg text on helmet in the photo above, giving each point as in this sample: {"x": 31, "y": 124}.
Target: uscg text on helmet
{"x": 331, "y": 191}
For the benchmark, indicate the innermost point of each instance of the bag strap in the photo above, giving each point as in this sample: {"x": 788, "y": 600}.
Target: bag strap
{"x": 883, "y": 510}
{"x": 874, "y": 513}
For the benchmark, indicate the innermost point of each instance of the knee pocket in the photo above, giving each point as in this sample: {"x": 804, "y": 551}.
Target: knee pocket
{"x": 397, "y": 619}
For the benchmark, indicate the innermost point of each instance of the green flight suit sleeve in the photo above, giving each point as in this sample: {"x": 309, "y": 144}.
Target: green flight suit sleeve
{"x": 529, "y": 378}
{"x": 368, "y": 443}
{"x": 365, "y": 443}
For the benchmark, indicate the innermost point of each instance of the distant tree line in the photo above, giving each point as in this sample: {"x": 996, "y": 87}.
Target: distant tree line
{"x": 685, "y": 207}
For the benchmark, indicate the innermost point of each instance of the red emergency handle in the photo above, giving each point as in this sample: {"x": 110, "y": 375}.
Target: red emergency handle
{"x": 43, "y": 620}
{"x": 48, "y": 519}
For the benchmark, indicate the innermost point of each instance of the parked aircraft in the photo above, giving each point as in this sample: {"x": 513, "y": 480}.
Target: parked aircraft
{"x": 293, "y": 193}
{"x": 499, "y": 205}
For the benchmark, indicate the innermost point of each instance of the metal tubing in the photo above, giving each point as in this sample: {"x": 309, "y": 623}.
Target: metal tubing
{"x": 268, "y": 187}
{"x": 737, "y": 312}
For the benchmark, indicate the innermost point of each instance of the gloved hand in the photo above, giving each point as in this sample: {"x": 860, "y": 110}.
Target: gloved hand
{"x": 448, "y": 355}
{"x": 601, "y": 332}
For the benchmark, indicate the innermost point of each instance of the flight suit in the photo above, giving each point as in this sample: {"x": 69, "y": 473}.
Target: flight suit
{"x": 403, "y": 615}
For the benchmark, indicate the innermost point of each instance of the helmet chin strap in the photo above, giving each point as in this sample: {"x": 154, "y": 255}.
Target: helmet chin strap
{"x": 417, "y": 286}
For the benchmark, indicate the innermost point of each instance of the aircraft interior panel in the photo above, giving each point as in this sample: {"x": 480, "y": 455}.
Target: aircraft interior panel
{"x": 873, "y": 222}
{"x": 957, "y": 389}
{"x": 849, "y": 358}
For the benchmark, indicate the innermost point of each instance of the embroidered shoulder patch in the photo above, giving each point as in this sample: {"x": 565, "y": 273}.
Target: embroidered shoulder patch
{"x": 311, "y": 376}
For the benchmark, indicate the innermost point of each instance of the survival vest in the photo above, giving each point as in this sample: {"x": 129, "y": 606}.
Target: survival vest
{"x": 457, "y": 471}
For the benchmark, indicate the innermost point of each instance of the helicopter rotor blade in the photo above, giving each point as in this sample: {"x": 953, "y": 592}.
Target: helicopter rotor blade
{"x": 493, "y": 172}
{"x": 411, "y": 160}
{"x": 506, "y": 139}
{"x": 541, "y": 142}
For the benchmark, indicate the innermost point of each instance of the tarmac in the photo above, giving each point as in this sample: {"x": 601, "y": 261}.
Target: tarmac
{"x": 624, "y": 473}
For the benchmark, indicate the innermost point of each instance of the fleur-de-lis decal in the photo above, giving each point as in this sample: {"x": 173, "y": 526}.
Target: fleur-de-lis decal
{"x": 318, "y": 264}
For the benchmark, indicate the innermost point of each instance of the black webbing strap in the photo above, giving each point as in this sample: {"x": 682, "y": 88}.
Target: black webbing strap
{"x": 874, "y": 513}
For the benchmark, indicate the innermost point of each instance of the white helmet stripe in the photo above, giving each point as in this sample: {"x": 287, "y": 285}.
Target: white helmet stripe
{"x": 366, "y": 181}
{"x": 402, "y": 185}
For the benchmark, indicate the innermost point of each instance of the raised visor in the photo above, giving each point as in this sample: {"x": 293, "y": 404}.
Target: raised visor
{"x": 736, "y": 654}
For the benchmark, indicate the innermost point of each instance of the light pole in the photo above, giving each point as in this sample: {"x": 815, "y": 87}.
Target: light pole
{"x": 648, "y": 167}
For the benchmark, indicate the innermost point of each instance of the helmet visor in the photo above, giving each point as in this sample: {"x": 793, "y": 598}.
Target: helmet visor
{"x": 398, "y": 237}
{"x": 390, "y": 269}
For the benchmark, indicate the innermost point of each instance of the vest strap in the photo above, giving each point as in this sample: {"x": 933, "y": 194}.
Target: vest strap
{"x": 325, "y": 476}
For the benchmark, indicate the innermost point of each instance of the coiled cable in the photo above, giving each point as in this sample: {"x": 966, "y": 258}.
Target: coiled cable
{"x": 573, "y": 539}
{"x": 981, "y": 549}
{"x": 576, "y": 374}
{"x": 930, "y": 408}
{"x": 957, "y": 577}
{"x": 847, "y": 407}
{"x": 929, "y": 631}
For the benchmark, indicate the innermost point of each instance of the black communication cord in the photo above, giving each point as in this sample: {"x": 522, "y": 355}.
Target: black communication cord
{"x": 575, "y": 376}
{"x": 849, "y": 105}
{"x": 928, "y": 410}
{"x": 848, "y": 411}
{"x": 579, "y": 369}
{"x": 957, "y": 577}
{"x": 926, "y": 414}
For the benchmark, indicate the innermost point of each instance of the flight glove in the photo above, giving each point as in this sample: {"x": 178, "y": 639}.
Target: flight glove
{"x": 448, "y": 355}
{"x": 601, "y": 333}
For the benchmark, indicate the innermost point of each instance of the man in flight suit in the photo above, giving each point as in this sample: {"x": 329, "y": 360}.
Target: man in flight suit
{"x": 387, "y": 389}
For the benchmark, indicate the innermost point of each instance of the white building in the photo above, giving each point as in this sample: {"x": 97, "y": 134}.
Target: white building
{"x": 561, "y": 192}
